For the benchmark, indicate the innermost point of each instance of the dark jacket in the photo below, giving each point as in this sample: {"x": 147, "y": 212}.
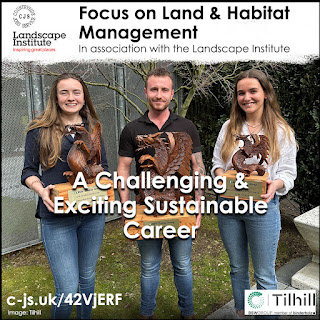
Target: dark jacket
{"x": 53, "y": 175}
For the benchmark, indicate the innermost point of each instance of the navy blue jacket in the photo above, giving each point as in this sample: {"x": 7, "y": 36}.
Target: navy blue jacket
{"x": 53, "y": 175}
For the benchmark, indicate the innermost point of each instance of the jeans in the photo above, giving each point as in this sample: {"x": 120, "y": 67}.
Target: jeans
{"x": 180, "y": 254}
{"x": 72, "y": 245}
{"x": 261, "y": 232}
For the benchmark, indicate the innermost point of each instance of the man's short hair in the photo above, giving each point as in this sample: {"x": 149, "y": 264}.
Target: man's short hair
{"x": 158, "y": 72}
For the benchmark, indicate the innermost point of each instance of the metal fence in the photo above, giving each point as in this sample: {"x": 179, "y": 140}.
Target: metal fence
{"x": 19, "y": 226}
{"x": 23, "y": 97}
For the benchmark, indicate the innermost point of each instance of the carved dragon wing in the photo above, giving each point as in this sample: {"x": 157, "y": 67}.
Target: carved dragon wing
{"x": 180, "y": 156}
{"x": 263, "y": 148}
{"x": 95, "y": 151}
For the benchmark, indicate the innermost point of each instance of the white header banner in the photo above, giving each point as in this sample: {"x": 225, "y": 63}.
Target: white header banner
{"x": 205, "y": 32}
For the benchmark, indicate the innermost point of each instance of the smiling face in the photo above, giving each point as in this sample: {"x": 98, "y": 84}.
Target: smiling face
{"x": 70, "y": 96}
{"x": 250, "y": 96}
{"x": 159, "y": 93}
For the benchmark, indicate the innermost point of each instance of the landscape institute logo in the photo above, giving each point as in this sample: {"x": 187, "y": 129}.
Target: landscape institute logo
{"x": 24, "y": 16}
{"x": 35, "y": 41}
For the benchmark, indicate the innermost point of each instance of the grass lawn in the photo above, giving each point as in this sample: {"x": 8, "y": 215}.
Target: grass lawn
{"x": 118, "y": 271}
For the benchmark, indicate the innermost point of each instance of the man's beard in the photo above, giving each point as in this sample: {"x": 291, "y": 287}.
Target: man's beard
{"x": 162, "y": 108}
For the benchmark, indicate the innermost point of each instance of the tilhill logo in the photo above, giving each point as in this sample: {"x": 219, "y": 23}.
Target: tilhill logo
{"x": 295, "y": 299}
{"x": 24, "y": 16}
{"x": 280, "y": 302}
{"x": 255, "y": 299}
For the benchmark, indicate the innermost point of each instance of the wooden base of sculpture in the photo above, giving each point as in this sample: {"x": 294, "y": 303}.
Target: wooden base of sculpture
{"x": 256, "y": 186}
{"x": 80, "y": 194}
{"x": 163, "y": 220}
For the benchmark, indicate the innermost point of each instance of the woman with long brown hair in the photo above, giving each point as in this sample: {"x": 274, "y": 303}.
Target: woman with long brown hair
{"x": 72, "y": 241}
{"x": 255, "y": 110}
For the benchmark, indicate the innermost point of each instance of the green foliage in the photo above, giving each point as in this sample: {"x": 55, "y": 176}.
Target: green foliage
{"x": 298, "y": 94}
{"x": 297, "y": 89}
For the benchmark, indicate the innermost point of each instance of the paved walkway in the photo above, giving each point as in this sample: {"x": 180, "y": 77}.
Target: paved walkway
{"x": 284, "y": 275}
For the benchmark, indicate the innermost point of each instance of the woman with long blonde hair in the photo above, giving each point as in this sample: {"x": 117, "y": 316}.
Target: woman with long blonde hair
{"x": 255, "y": 110}
{"x": 72, "y": 241}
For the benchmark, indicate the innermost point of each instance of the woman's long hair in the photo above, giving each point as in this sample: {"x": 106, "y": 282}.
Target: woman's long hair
{"x": 271, "y": 117}
{"x": 51, "y": 125}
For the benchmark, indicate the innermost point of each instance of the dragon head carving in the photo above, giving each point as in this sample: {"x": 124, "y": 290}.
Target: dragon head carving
{"x": 257, "y": 146}
{"x": 150, "y": 140}
{"x": 242, "y": 137}
{"x": 74, "y": 128}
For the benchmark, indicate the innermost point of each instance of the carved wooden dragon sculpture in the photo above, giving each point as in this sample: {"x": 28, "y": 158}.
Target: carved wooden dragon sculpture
{"x": 85, "y": 154}
{"x": 259, "y": 147}
{"x": 170, "y": 158}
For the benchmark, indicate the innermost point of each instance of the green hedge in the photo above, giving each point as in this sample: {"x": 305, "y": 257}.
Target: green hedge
{"x": 297, "y": 88}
